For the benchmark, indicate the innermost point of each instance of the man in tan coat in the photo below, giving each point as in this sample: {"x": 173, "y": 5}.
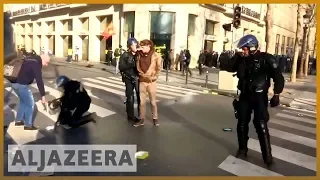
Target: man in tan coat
{"x": 149, "y": 68}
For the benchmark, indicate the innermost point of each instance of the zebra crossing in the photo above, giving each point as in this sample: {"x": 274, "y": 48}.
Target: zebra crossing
{"x": 293, "y": 139}
{"x": 105, "y": 85}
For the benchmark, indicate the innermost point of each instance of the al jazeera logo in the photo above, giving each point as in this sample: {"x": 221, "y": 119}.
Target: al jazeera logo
{"x": 72, "y": 158}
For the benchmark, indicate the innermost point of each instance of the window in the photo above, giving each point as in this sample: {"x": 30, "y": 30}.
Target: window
{"x": 192, "y": 25}
{"x": 282, "y": 44}
{"x": 209, "y": 27}
{"x": 162, "y": 29}
{"x": 129, "y": 22}
{"x": 277, "y": 43}
{"x": 70, "y": 25}
{"x": 288, "y": 48}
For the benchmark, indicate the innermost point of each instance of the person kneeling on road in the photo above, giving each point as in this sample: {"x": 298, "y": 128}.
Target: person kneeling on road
{"x": 75, "y": 101}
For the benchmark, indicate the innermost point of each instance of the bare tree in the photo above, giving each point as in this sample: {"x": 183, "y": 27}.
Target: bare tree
{"x": 293, "y": 77}
{"x": 312, "y": 23}
{"x": 269, "y": 29}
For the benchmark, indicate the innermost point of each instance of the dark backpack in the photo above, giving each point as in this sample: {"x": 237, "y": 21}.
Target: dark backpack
{"x": 13, "y": 68}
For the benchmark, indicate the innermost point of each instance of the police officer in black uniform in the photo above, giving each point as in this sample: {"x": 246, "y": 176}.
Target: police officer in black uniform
{"x": 128, "y": 69}
{"x": 254, "y": 70}
{"x": 75, "y": 101}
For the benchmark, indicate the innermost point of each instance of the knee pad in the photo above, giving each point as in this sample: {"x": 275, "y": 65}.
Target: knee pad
{"x": 261, "y": 127}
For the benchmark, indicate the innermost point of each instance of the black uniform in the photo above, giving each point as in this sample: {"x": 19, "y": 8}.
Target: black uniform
{"x": 254, "y": 73}
{"x": 74, "y": 103}
{"x": 128, "y": 69}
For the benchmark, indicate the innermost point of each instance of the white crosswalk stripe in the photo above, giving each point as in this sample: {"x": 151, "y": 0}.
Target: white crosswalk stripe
{"x": 113, "y": 85}
{"x": 293, "y": 141}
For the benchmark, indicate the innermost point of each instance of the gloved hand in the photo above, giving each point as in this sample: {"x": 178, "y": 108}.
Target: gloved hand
{"x": 275, "y": 100}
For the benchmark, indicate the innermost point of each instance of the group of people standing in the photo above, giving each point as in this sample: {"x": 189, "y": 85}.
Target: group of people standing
{"x": 140, "y": 68}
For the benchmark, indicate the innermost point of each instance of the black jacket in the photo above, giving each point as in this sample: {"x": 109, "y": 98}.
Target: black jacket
{"x": 127, "y": 64}
{"x": 254, "y": 72}
{"x": 74, "y": 96}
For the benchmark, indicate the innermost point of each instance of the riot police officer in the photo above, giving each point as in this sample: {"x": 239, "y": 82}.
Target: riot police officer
{"x": 75, "y": 101}
{"x": 128, "y": 69}
{"x": 254, "y": 70}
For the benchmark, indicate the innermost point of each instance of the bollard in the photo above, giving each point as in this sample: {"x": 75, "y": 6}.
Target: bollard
{"x": 206, "y": 83}
{"x": 187, "y": 72}
{"x": 167, "y": 74}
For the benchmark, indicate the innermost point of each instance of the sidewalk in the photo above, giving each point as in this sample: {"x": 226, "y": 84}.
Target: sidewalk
{"x": 301, "y": 94}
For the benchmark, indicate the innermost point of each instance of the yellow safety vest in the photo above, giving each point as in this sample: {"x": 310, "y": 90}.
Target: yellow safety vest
{"x": 106, "y": 51}
{"x": 70, "y": 52}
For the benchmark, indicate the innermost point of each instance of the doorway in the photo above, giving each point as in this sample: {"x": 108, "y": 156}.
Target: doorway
{"x": 85, "y": 47}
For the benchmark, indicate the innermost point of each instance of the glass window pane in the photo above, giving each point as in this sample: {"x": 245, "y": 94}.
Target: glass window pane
{"x": 162, "y": 22}
{"x": 129, "y": 20}
{"x": 192, "y": 24}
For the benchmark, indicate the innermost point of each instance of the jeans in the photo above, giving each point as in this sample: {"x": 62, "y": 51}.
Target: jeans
{"x": 117, "y": 65}
{"x": 26, "y": 105}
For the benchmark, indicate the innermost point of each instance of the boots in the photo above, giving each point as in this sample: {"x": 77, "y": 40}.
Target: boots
{"x": 242, "y": 131}
{"x": 264, "y": 139}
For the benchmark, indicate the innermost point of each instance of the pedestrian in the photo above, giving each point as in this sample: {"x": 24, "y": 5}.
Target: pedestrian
{"x": 186, "y": 63}
{"x": 128, "y": 70}
{"x": 76, "y": 54}
{"x": 254, "y": 70}
{"x": 117, "y": 54}
{"x": 182, "y": 57}
{"x": 74, "y": 102}
{"x": 171, "y": 56}
{"x": 149, "y": 68}
{"x": 29, "y": 71}
{"x": 201, "y": 60}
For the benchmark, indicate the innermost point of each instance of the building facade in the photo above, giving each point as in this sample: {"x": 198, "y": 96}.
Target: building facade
{"x": 59, "y": 27}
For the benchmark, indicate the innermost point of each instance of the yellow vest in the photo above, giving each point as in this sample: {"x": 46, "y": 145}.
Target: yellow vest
{"x": 70, "y": 52}
{"x": 106, "y": 51}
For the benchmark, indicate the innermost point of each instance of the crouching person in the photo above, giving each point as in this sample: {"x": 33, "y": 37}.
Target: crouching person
{"x": 74, "y": 102}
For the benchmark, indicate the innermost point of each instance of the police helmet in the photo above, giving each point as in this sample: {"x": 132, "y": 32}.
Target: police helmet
{"x": 131, "y": 41}
{"x": 249, "y": 41}
{"x": 61, "y": 81}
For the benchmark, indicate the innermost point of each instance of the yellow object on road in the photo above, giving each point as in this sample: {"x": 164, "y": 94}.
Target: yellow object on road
{"x": 141, "y": 155}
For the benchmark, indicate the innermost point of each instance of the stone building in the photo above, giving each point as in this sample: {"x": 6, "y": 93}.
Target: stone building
{"x": 59, "y": 27}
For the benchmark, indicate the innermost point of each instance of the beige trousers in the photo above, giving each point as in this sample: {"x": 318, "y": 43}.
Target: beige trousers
{"x": 148, "y": 90}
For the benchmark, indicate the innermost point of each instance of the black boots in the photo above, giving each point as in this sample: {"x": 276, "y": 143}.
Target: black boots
{"x": 264, "y": 139}
{"x": 242, "y": 131}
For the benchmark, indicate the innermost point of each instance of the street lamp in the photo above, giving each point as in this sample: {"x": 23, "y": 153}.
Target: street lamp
{"x": 306, "y": 21}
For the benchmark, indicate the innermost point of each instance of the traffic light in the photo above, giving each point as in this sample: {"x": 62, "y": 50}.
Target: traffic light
{"x": 227, "y": 27}
{"x": 237, "y": 17}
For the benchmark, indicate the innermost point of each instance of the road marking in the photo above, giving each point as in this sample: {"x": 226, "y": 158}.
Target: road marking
{"x": 240, "y": 167}
{"x": 303, "y": 114}
{"x": 122, "y": 87}
{"x": 295, "y": 118}
{"x": 40, "y": 107}
{"x": 293, "y": 138}
{"x": 18, "y": 134}
{"x": 100, "y": 111}
{"x": 159, "y": 88}
{"x": 120, "y": 93}
{"x": 169, "y": 86}
{"x": 287, "y": 155}
{"x": 302, "y": 110}
{"x": 294, "y": 126}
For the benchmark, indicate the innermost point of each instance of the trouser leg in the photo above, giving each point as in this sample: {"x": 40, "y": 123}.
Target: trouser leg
{"x": 261, "y": 118}
{"x": 244, "y": 117}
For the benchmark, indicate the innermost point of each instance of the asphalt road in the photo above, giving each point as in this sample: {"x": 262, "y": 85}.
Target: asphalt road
{"x": 190, "y": 139}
